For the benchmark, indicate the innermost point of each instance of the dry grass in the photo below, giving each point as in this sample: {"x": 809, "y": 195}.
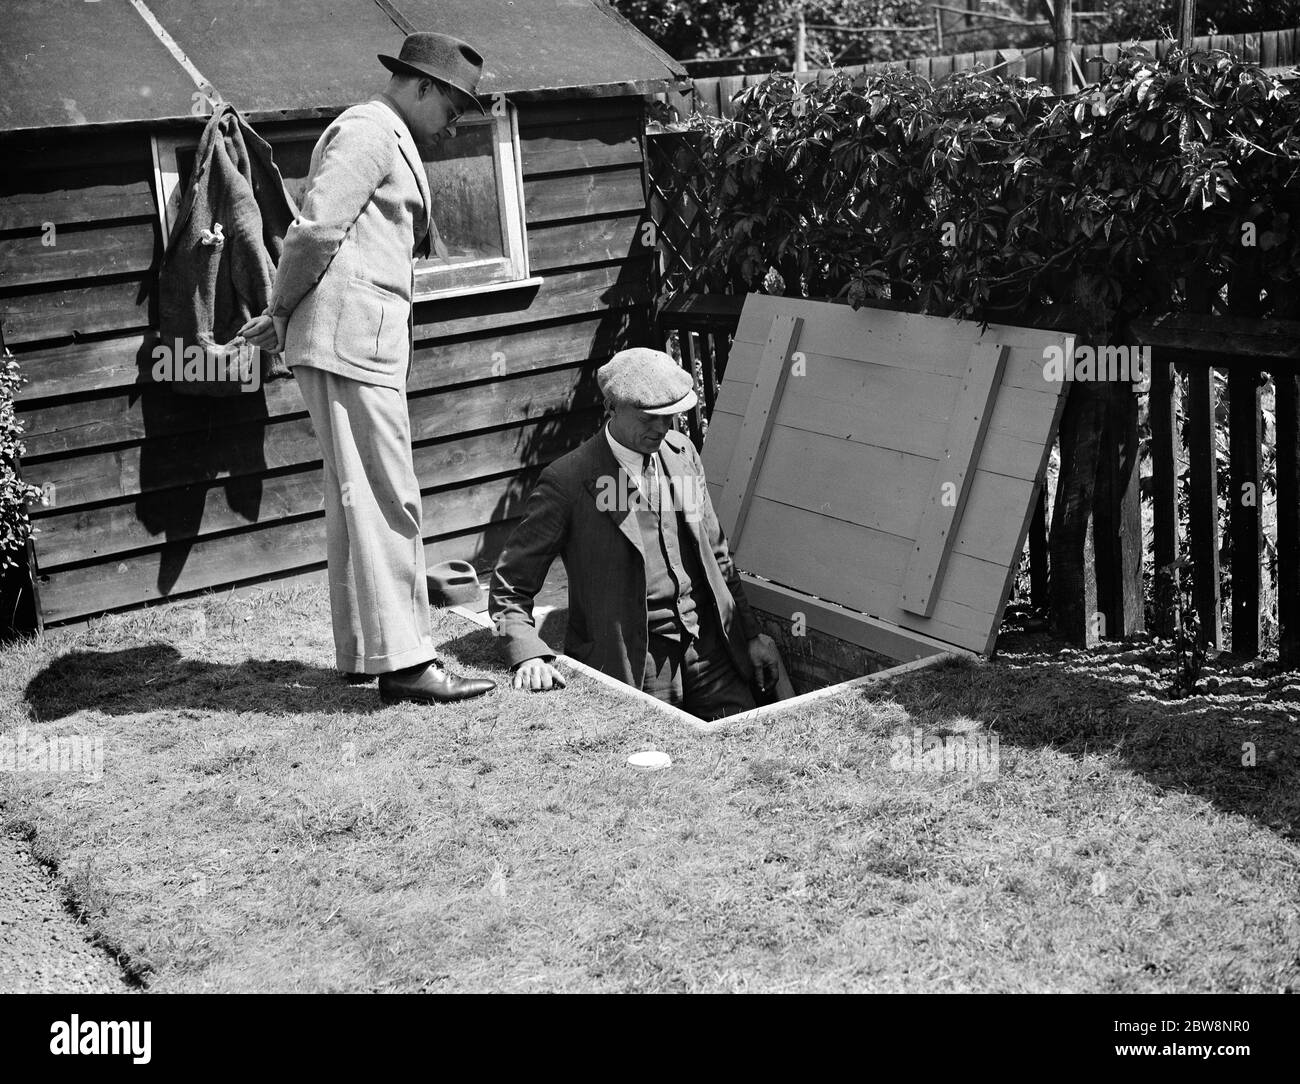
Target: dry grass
{"x": 262, "y": 826}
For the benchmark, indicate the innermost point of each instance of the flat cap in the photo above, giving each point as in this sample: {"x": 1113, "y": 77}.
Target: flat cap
{"x": 646, "y": 379}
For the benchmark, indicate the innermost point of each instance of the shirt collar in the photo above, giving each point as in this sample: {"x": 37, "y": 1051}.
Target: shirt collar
{"x": 631, "y": 461}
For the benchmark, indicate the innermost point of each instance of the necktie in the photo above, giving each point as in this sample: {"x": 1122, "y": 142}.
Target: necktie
{"x": 650, "y": 477}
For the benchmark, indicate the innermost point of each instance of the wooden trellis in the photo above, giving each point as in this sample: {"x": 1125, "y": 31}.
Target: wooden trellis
{"x": 682, "y": 221}
{"x": 683, "y": 227}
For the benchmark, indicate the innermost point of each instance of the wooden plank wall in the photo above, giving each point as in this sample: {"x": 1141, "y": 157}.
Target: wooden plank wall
{"x": 156, "y": 495}
{"x": 1268, "y": 48}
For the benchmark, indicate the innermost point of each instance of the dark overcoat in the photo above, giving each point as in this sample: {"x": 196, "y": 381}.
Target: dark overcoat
{"x": 574, "y": 514}
{"x": 209, "y": 289}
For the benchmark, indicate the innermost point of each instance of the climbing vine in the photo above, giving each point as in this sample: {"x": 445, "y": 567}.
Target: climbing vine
{"x": 989, "y": 199}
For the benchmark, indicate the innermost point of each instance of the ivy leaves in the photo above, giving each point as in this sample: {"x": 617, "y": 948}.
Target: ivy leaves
{"x": 987, "y": 198}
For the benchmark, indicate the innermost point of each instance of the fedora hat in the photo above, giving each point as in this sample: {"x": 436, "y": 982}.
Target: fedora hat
{"x": 453, "y": 583}
{"x": 447, "y": 60}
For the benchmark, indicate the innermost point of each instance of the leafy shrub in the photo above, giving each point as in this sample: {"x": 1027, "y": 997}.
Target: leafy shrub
{"x": 15, "y": 495}
{"x": 979, "y": 197}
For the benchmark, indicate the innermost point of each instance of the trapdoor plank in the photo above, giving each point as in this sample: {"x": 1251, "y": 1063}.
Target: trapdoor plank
{"x": 950, "y": 486}
{"x": 840, "y": 467}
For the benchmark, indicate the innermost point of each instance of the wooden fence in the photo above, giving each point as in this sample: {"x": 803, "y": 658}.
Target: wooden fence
{"x": 1277, "y": 50}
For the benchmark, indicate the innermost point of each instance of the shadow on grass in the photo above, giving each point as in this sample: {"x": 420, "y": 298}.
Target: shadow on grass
{"x": 478, "y": 647}
{"x": 157, "y": 677}
{"x": 1042, "y": 694}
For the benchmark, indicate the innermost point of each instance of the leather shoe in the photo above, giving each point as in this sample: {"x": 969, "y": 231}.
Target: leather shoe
{"x": 431, "y": 684}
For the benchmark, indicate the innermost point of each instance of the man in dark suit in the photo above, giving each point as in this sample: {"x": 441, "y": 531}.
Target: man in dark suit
{"x": 654, "y": 599}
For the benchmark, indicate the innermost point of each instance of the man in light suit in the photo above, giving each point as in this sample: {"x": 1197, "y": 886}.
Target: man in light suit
{"x": 654, "y": 599}
{"x": 341, "y": 313}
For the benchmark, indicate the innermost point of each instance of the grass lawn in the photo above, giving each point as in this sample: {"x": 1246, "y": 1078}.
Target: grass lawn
{"x": 260, "y": 825}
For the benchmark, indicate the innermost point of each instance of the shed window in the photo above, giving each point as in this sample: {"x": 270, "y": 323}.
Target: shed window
{"x": 475, "y": 188}
{"x": 478, "y": 209}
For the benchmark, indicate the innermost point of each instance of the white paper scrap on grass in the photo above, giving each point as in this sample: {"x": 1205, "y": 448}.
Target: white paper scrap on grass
{"x": 651, "y": 760}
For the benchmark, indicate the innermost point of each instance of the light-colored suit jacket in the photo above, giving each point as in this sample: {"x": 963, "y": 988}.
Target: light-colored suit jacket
{"x": 347, "y": 273}
{"x": 601, "y": 547}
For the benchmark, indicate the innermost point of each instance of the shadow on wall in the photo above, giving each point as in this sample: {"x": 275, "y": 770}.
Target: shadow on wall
{"x": 563, "y": 429}
{"x": 626, "y": 325}
{"x": 189, "y": 443}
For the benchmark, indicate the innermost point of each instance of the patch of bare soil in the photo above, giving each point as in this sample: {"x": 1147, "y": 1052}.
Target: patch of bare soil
{"x": 43, "y": 948}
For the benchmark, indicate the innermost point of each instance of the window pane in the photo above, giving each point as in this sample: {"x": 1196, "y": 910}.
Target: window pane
{"x": 462, "y": 176}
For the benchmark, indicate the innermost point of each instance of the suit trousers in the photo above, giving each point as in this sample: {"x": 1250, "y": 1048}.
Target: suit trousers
{"x": 379, "y": 597}
{"x": 698, "y": 676}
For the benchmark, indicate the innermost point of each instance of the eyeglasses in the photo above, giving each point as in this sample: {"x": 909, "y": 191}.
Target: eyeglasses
{"x": 455, "y": 110}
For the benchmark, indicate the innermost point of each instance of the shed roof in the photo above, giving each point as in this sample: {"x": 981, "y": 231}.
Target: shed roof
{"x": 67, "y": 63}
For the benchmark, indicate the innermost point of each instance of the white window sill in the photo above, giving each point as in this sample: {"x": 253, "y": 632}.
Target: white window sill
{"x": 488, "y": 288}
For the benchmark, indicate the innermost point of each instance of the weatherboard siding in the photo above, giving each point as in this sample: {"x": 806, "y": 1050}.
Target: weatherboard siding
{"x": 156, "y": 495}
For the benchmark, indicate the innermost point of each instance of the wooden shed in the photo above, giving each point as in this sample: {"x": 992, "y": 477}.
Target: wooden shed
{"x": 154, "y": 495}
